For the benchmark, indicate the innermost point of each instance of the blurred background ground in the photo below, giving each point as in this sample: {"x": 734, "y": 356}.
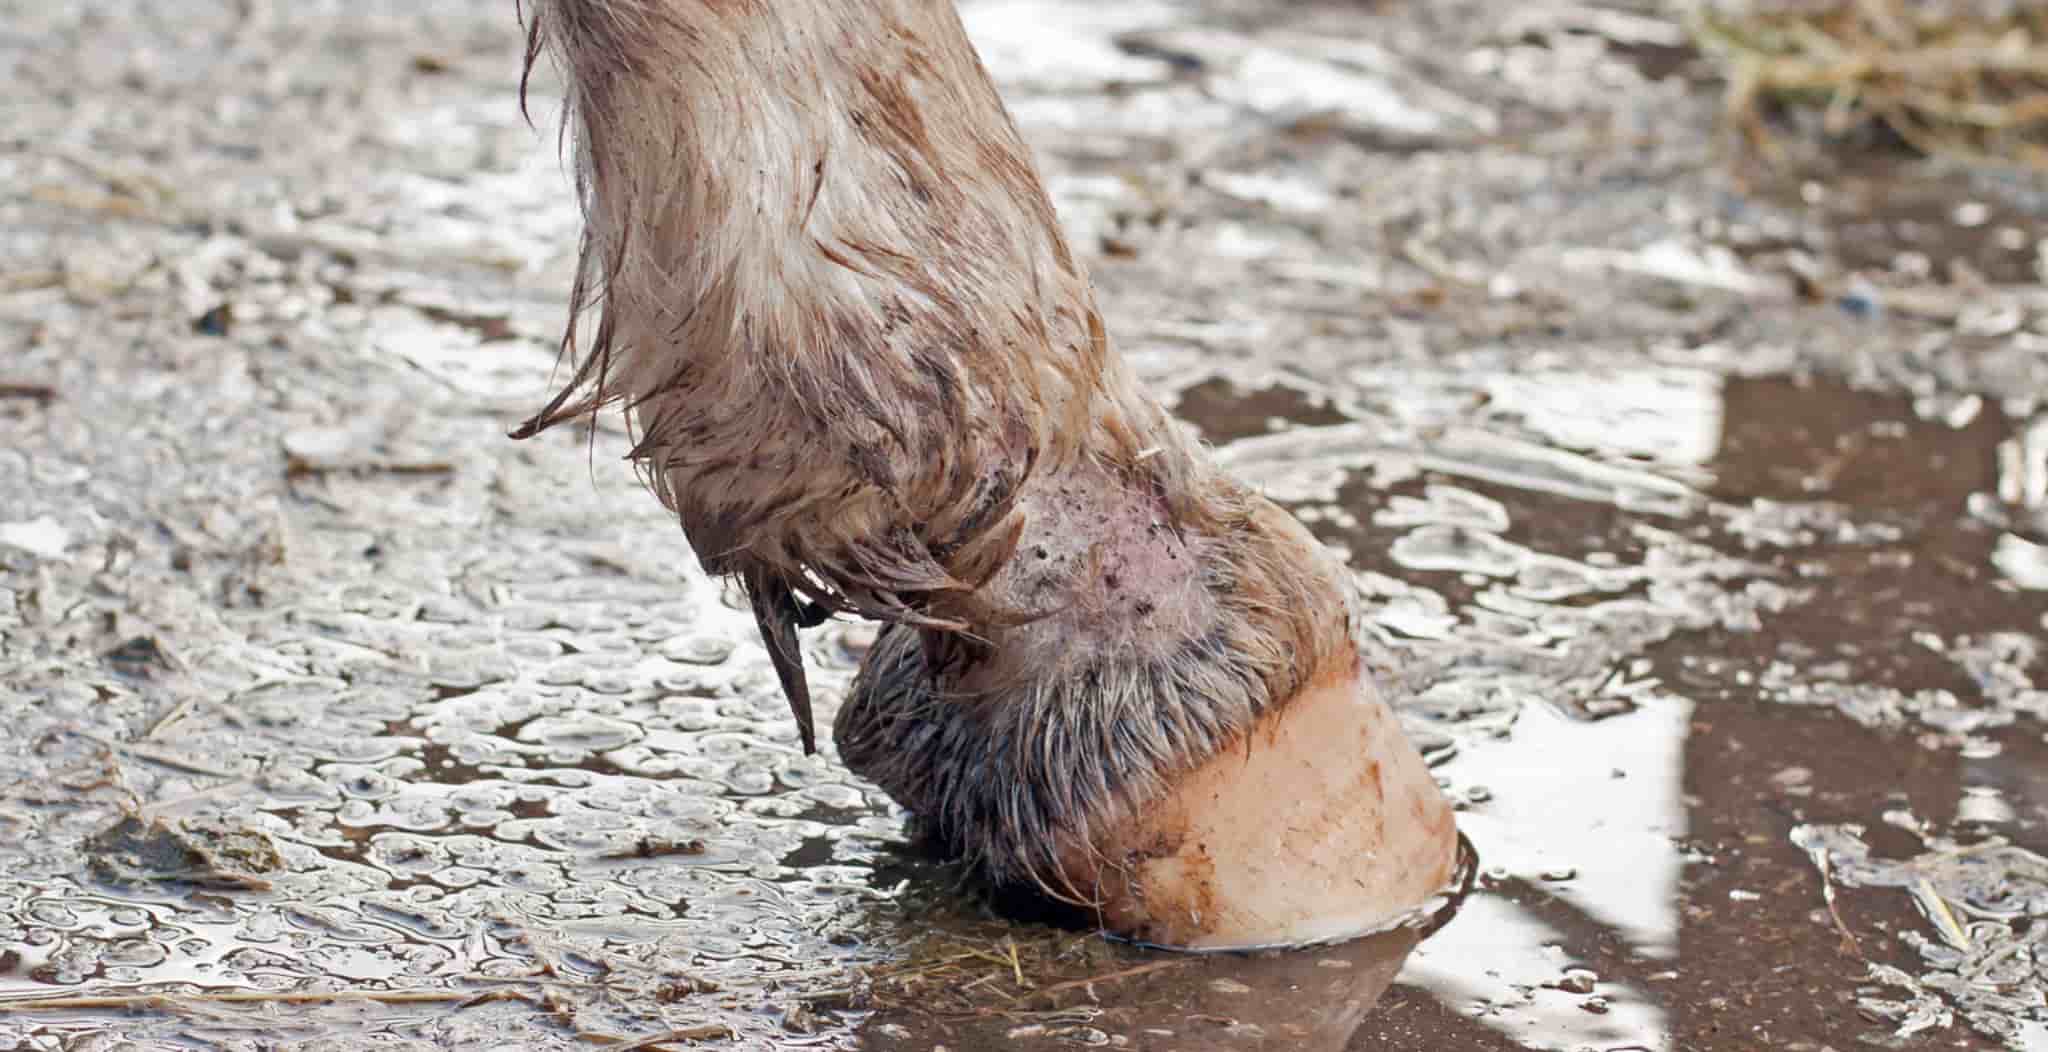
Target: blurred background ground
{"x": 1679, "y": 408}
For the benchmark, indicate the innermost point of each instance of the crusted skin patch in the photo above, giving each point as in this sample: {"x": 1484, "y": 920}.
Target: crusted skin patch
{"x": 1021, "y": 755}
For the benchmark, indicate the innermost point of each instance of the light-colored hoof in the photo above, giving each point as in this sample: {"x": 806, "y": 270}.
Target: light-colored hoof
{"x": 1322, "y": 824}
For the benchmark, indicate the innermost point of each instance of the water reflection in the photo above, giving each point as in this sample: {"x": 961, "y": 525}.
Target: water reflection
{"x": 1311, "y": 1000}
{"x": 1579, "y": 820}
{"x": 960, "y": 989}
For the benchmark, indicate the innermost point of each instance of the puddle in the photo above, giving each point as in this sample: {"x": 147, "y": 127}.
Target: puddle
{"x": 1709, "y": 679}
{"x": 1705, "y": 602}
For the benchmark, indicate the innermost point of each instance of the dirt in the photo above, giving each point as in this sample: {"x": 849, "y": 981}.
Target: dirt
{"x": 1700, "y": 508}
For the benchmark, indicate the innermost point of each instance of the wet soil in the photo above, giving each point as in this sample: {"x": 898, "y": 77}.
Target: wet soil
{"x": 1700, "y": 512}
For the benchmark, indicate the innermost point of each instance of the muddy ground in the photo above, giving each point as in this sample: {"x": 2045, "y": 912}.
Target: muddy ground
{"x": 1702, "y": 505}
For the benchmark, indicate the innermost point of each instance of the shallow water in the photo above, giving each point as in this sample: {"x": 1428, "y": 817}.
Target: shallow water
{"x": 1700, "y": 512}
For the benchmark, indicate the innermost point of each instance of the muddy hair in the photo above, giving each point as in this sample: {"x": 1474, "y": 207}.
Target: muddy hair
{"x": 820, "y": 274}
{"x": 830, "y": 290}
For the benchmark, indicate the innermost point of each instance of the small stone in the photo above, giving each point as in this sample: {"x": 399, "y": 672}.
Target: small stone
{"x": 799, "y": 1019}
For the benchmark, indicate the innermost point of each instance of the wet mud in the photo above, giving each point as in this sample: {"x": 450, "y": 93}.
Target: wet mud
{"x": 1700, "y": 511}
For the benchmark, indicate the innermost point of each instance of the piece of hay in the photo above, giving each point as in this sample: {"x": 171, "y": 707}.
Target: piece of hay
{"x": 1963, "y": 79}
